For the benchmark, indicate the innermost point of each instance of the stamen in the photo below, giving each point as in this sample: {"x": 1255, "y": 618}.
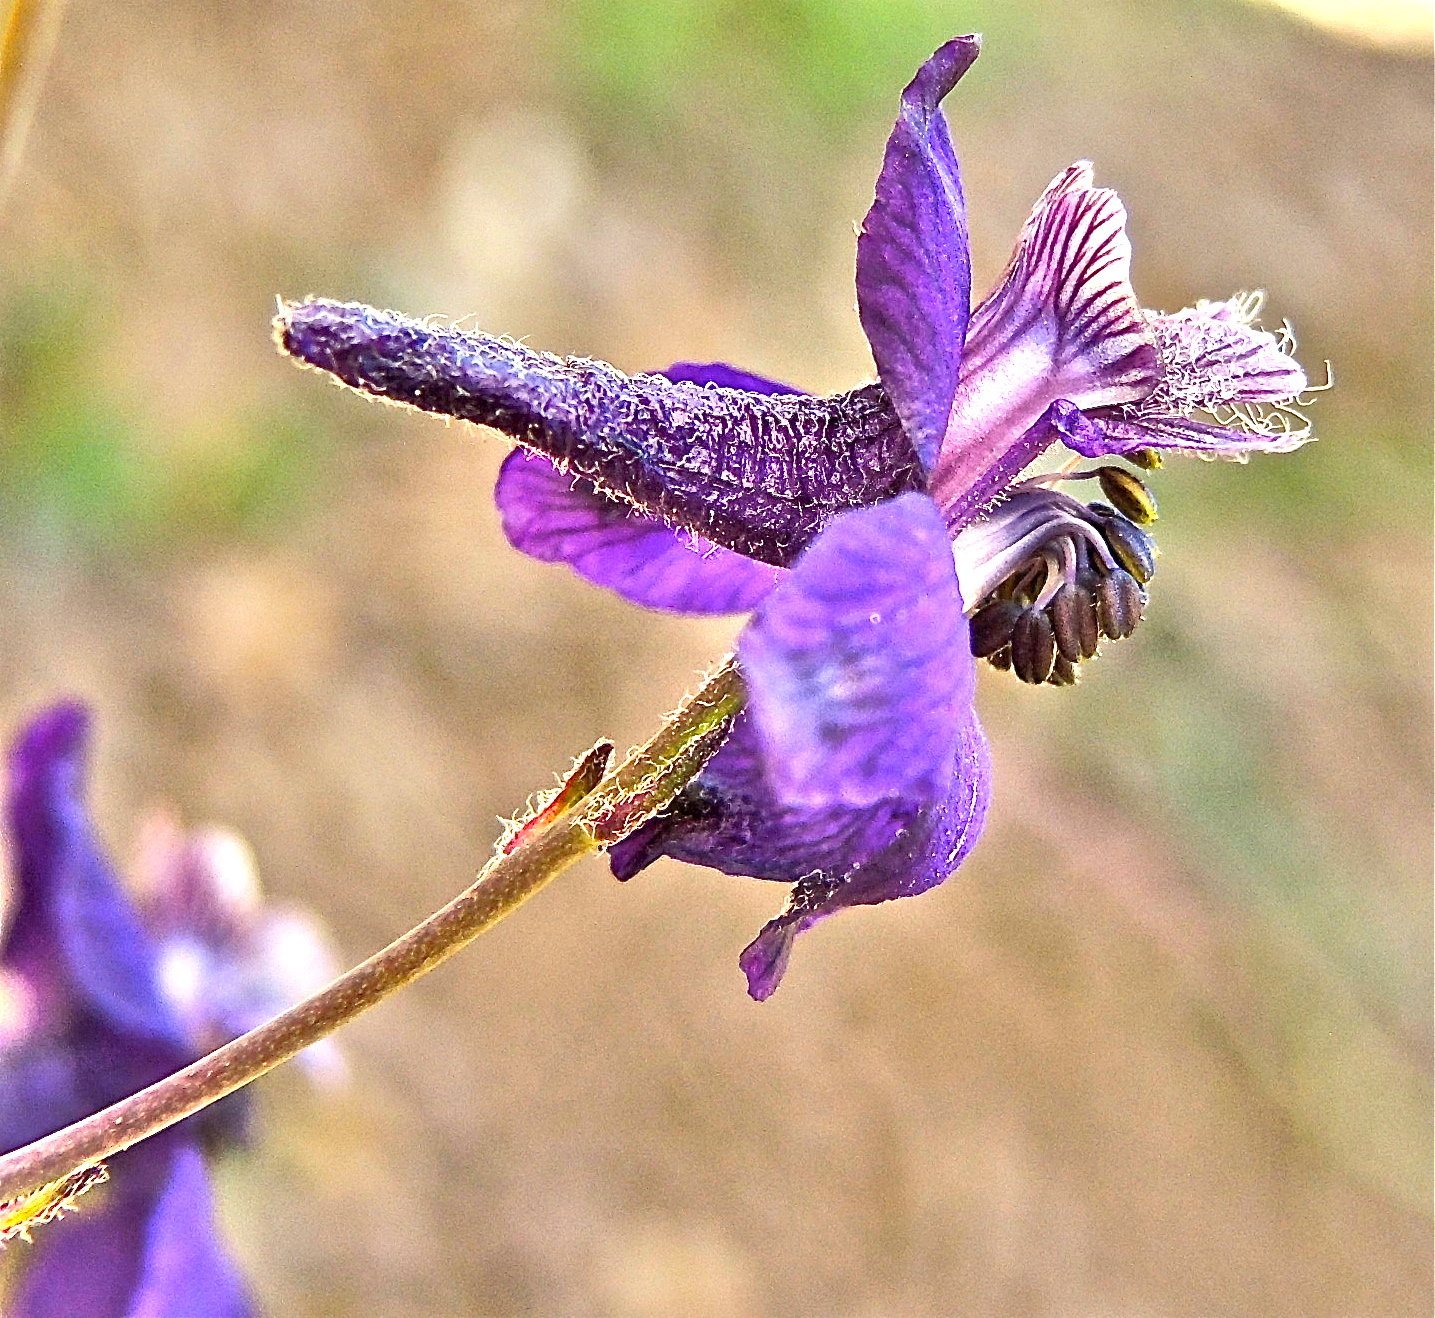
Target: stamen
{"x": 1033, "y": 647}
{"x": 1119, "y": 602}
{"x": 1048, "y": 576}
{"x": 1129, "y": 493}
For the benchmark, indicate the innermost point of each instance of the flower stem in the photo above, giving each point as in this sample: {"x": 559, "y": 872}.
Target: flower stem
{"x": 639, "y": 788}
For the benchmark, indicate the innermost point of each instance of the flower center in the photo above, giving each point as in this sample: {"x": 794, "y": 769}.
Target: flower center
{"x": 1046, "y": 576}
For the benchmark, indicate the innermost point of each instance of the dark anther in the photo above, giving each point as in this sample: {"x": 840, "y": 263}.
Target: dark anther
{"x": 1119, "y": 600}
{"x": 1001, "y": 660}
{"x": 1148, "y": 459}
{"x": 1074, "y": 622}
{"x": 992, "y": 626}
{"x": 1128, "y": 493}
{"x": 1033, "y": 647}
{"x": 1133, "y": 548}
{"x": 1063, "y": 672}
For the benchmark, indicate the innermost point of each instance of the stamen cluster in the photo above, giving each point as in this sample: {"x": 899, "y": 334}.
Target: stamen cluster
{"x": 1056, "y": 575}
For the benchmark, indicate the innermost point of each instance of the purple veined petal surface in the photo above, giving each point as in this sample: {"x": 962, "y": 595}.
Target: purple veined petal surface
{"x": 914, "y": 273}
{"x": 857, "y": 665}
{"x": 1213, "y": 353}
{"x": 938, "y": 840}
{"x": 142, "y": 1246}
{"x": 558, "y": 518}
{"x": 1114, "y": 434}
{"x": 563, "y": 519}
{"x": 74, "y": 927}
{"x": 1063, "y": 323}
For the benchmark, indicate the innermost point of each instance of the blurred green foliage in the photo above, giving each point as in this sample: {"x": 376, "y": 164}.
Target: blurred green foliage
{"x": 80, "y": 466}
{"x": 816, "y": 63}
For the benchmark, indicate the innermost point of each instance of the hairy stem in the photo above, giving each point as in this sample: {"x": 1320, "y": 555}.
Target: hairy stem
{"x": 640, "y": 787}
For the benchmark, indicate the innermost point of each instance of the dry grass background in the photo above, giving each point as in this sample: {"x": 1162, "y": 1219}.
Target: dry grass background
{"x": 1162, "y": 1048}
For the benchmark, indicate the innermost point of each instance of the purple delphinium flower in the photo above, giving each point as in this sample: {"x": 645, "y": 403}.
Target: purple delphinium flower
{"x": 883, "y": 537}
{"x": 84, "y": 1024}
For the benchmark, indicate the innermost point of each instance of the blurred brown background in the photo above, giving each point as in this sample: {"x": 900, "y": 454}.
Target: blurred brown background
{"x": 1163, "y": 1046}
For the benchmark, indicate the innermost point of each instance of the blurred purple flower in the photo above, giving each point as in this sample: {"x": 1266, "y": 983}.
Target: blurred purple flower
{"x": 86, "y": 1017}
{"x": 227, "y": 959}
{"x": 865, "y": 529}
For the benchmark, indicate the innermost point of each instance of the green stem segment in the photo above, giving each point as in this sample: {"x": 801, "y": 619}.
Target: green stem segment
{"x": 638, "y": 789}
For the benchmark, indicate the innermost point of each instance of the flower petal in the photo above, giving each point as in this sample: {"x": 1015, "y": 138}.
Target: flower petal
{"x": 857, "y": 664}
{"x": 757, "y": 473}
{"x": 914, "y": 272}
{"x": 927, "y": 852}
{"x": 1063, "y": 323}
{"x": 566, "y": 519}
{"x": 73, "y": 921}
{"x": 1214, "y": 360}
{"x": 1117, "y": 433}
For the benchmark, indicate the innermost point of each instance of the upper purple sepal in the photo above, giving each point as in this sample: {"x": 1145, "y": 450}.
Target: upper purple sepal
{"x": 758, "y": 471}
{"x": 914, "y": 272}
{"x": 857, "y": 664}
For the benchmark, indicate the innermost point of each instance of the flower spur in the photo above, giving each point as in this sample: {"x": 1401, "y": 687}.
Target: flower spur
{"x": 883, "y": 537}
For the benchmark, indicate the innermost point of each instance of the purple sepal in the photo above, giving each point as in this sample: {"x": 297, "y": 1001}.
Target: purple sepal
{"x": 565, "y": 519}
{"x": 73, "y": 1069}
{"x": 726, "y": 377}
{"x": 914, "y": 273}
{"x": 927, "y": 852}
{"x": 73, "y": 922}
{"x": 857, "y": 665}
{"x": 730, "y": 820}
{"x": 185, "y": 1274}
{"x": 146, "y": 1249}
{"x": 858, "y": 772}
{"x": 558, "y": 518}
